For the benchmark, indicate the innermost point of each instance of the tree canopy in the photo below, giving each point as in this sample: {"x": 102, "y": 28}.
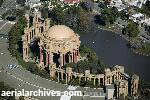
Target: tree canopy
{"x": 15, "y": 34}
{"x": 109, "y": 15}
{"x": 58, "y": 14}
{"x": 73, "y": 16}
{"x": 22, "y": 2}
{"x": 146, "y": 8}
{"x": 86, "y": 5}
{"x": 131, "y": 29}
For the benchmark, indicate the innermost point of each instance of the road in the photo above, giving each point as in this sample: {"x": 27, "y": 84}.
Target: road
{"x": 7, "y": 5}
{"x": 143, "y": 34}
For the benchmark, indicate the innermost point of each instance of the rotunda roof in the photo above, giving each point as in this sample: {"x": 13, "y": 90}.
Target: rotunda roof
{"x": 60, "y": 32}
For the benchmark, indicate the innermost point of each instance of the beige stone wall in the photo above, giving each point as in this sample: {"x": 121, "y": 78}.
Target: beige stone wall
{"x": 134, "y": 85}
{"x": 32, "y": 32}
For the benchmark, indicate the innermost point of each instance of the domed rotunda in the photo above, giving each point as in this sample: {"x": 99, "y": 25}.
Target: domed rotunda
{"x": 61, "y": 45}
{"x": 60, "y": 32}
{"x": 58, "y": 44}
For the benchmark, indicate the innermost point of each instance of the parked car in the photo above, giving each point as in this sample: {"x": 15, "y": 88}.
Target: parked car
{"x": 13, "y": 66}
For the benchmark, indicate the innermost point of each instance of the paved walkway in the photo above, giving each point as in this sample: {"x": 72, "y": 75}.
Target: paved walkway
{"x": 5, "y": 26}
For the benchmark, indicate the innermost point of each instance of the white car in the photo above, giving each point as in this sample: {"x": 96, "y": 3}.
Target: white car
{"x": 13, "y": 66}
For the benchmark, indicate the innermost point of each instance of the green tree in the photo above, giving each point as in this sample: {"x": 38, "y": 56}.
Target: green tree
{"x": 44, "y": 13}
{"x": 92, "y": 56}
{"x": 86, "y": 5}
{"x": 22, "y": 2}
{"x": 71, "y": 16}
{"x": 124, "y": 15}
{"x": 72, "y": 65}
{"x": 131, "y": 29}
{"x": 15, "y": 35}
{"x": 84, "y": 49}
{"x": 84, "y": 21}
{"x": 146, "y": 8}
{"x": 109, "y": 15}
{"x": 58, "y": 14}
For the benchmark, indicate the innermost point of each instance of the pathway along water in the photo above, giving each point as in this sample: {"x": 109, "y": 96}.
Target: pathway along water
{"x": 114, "y": 51}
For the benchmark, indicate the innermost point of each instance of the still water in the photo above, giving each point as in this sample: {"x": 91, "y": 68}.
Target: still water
{"x": 114, "y": 51}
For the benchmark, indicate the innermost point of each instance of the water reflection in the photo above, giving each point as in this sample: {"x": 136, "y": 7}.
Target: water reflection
{"x": 113, "y": 49}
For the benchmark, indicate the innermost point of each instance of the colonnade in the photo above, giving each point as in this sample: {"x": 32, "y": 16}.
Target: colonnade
{"x": 69, "y": 74}
{"x": 135, "y": 84}
{"x": 73, "y": 57}
{"x": 49, "y": 58}
{"x": 103, "y": 79}
{"x": 31, "y": 32}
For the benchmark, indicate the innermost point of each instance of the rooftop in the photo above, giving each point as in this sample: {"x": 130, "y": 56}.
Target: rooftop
{"x": 60, "y": 32}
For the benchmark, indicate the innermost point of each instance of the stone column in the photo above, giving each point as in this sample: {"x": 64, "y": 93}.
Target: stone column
{"x": 47, "y": 58}
{"x": 61, "y": 60}
{"x": 75, "y": 55}
{"x": 103, "y": 81}
{"x": 25, "y": 51}
{"x": 109, "y": 80}
{"x": 28, "y": 37}
{"x": 78, "y": 54}
{"x": 85, "y": 78}
{"x": 106, "y": 81}
{"x": 79, "y": 79}
{"x": 71, "y": 57}
{"x": 62, "y": 75}
{"x": 94, "y": 81}
{"x": 50, "y": 58}
{"x": 58, "y": 76}
{"x": 52, "y": 70}
{"x": 36, "y": 30}
{"x": 66, "y": 78}
{"x": 99, "y": 81}
{"x": 64, "y": 60}
{"x": 41, "y": 55}
{"x": 31, "y": 34}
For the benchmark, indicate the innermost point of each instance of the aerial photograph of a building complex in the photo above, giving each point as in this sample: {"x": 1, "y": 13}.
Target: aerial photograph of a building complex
{"x": 74, "y": 49}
